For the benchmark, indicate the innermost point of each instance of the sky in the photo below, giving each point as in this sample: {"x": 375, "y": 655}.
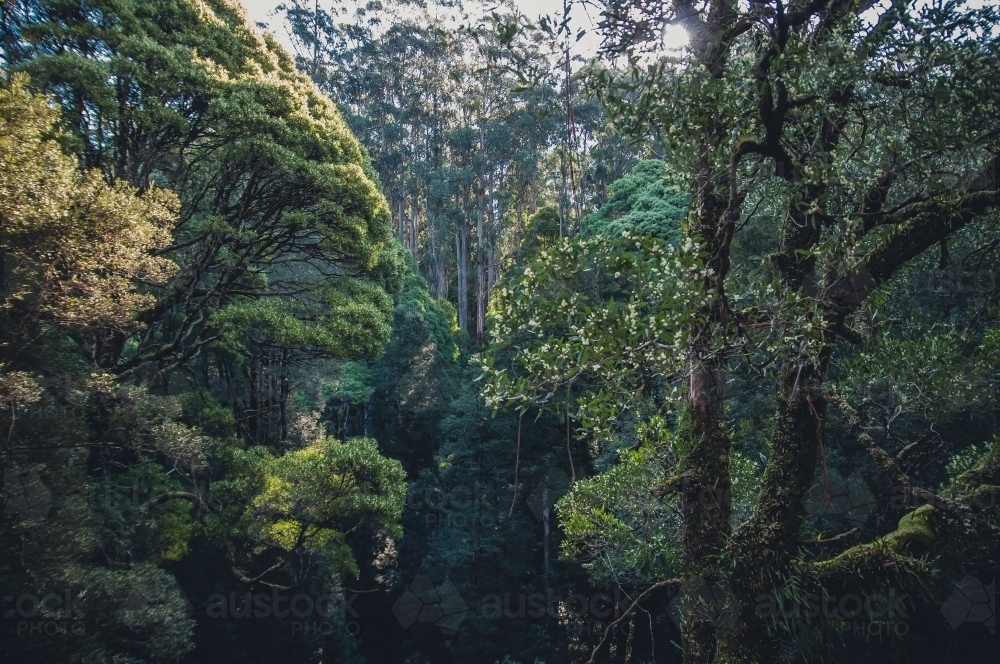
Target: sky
{"x": 261, "y": 11}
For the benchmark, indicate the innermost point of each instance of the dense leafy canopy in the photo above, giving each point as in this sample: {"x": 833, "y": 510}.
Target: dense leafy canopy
{"x": 161, "y": 306}
{"x": 77, "y": 246}
{"x": 822, "y": 171}
{"x": 431, "y": 342}
{"x": 642, "y": 203}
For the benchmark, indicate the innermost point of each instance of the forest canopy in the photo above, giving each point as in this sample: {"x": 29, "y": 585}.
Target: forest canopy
{"x": 411, "y": 332}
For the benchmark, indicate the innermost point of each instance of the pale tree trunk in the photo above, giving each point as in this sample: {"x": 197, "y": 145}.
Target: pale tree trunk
{"x": 401, "y": 217}
{"x": 437, "y": 265}
{"x": 563, "y": 196}
{"x": 492, "y": 246}
{"x": 480, "y": 255}
{"x": 462, "y": 264}
{"x": 414, "y": 245}
{"x": 571, "y": 138}
{"x": 518, "y": 226}
{"x": 480, "y": 272}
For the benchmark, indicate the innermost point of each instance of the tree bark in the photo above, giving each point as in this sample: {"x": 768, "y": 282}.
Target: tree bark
{"x": 401, "y": 218}
{"x": 706, "y": 505}
{"x": 764, "y": 545}
{"x": 480, "y": 256}
{"x": 706, "y": 500}
{"x": 414, "y": 226}
{"x": 462, "y": 264}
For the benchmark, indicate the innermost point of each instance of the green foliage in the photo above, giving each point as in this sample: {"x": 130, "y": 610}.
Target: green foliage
{"x": 354, "y": 380}
{"x": 204, "y": 411}
{"x": 348, "y": 319}
{"x": 543, "y": 226}
{"x": 416, "y": 379}
{"x": 307, "y": 501}
{"x": 466, "y": 522}
{"x": 420, "y": 318}
{"x": 187, "y": 317}
{"x": 971, "y": 457}
{"x": 607, "y": 315}
{"x": 642, "y": 203}
{"x": 937, "y": 369}
{"x": 616, "y": 526}
{"x": 283, "y": 233}
{"x": 76, "y": 246}
{"x": 826, "y": 184}
{"x": 152, "y": 341}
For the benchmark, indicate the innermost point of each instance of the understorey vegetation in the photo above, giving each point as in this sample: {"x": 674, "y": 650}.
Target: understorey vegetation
{"x": 409, "y": 332}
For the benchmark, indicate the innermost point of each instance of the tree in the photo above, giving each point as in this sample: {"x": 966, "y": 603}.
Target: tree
{"x": 76, "y": 252}
{"x": 641, "y": 203}
{"x": 73, "y": 246}
{"x": 306, "y": 502}
{"x": 159, "y": 339}
{"x": 841, "y": 133}
{"x": 282, "y": 231}
{"x": 465, "y": 147}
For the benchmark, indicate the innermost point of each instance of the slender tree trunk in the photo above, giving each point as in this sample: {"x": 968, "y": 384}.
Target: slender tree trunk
{"x": 563, "y": 224}
{"x": 414, "y": 226}
{"x": 462, "y": 264}
{"x": 401, "y": 217}
{"x": 571, "y": 137}
{"x": 432, "y": 255}
{"x": 273, "y": 406}
{"x": 345, "y": 406}
{"x": 492, "y": 248}
{"x": 438, "y": 259}
{"x": 283, "y": 397}
{"x": 480, "y": 255}
{"x": 253, "y": 410}
{"x": 520, "y": 223}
